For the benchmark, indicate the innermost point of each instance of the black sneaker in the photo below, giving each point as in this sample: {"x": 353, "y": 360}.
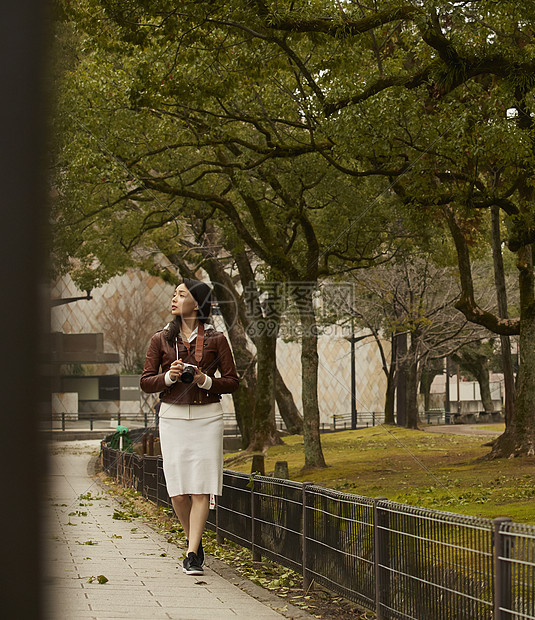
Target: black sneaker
{"x": 191, "y": 565}
{"x": 200, "y": 552}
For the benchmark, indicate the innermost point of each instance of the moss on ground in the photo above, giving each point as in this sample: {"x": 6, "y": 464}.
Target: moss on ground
{"x": 434, "y": 470}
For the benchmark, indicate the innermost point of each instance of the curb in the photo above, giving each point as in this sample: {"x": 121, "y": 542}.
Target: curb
{"x": 75, "y": 435}
{"x": 258, "y": 592}
{"x": 93, "y": 467}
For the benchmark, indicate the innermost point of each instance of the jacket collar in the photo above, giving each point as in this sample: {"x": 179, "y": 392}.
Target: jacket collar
{"x": 193, "y": 335}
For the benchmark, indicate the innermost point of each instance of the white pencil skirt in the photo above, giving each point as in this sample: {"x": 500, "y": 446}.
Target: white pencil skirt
{"x": 192, "y": 452}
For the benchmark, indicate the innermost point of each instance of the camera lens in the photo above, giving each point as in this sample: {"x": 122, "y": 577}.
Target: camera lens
{"x": 188, "y": 374}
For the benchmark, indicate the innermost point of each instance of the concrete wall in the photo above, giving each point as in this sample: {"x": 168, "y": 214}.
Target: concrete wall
{"x": 67, "y": 403}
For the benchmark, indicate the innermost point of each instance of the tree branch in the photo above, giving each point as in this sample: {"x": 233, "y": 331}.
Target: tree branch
{"x": 408, "y": 81}
{"x": 467, "y": 304}
{"x": 342, "y": 27}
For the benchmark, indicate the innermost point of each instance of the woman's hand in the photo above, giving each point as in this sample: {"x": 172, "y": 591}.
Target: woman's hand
{"x": 176, "y": 369}
{"x": 199, "y": 377}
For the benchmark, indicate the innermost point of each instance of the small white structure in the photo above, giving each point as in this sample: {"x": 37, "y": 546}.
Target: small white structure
{"x": 466, "y": 400}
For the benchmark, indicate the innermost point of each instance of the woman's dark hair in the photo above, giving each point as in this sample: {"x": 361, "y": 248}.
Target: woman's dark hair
{"x": 202, "y": 294}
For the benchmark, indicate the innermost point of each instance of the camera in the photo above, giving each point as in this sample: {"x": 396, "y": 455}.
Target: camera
{"x": 188, "y": 374}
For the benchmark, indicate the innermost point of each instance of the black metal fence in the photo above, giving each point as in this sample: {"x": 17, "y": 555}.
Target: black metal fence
{"x": 401, "y": 561}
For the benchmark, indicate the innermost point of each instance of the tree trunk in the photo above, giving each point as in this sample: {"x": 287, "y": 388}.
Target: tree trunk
{"x": 390, "y": 373}
{"x": 519, "y": 436}
{"x": 263, "y": 328}
{"x": 474, "y": 360}
{"x": 481, "y": 373}
{"x": 287, "y": 407}
{"x": 428, "y": 374}
{"x": 401, "y": 379}
{"x": 390, "y": 396}
{"x": 244, "y": 397}
{"x": 508, "y": 378}
{"x": 412, "y": 418}
{"x": 264, "y": 430}
{"x": 283, "y": 396}
{"x": 501, "y": 295}
{"x": 309, "y": 374}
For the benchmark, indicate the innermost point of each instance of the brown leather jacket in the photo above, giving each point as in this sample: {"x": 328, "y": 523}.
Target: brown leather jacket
{"x": 216, "y": 355}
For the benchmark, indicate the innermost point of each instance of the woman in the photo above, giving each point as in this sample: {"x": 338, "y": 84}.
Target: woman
{"x": 191, "y": 416}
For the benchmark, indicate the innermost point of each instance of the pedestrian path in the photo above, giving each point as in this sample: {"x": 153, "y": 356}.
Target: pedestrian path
{"x": 466, "y": 429}
{"x": 102, "y": 567}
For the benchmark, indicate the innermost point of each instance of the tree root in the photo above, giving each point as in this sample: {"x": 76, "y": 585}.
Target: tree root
{"x": 242, "y": 457}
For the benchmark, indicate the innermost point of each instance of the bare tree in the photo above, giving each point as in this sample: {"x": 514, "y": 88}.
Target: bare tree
{"x": 128, "y": 324}
{"x": 414, "y": 298}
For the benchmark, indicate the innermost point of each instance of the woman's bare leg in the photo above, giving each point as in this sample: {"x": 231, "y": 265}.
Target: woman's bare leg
{"x": 192, "y": 512}
{"x": 200, "y": 507}
{"x": 182, "y": 508}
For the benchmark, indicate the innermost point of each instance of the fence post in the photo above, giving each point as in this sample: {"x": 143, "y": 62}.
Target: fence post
{"x": 118, "y": 468}
{"x": 381, "y": 556}
{"x": 257, "y": 465}
{"x": 219, "y": 538}
{"x": 306, "y": 578}
{"x": 143, "y": 485}
{"x": 257, "y": 556}
{"x": 157, "y": 480}
{"x": 281, "y": 470}
{"x": 502, "y": 571}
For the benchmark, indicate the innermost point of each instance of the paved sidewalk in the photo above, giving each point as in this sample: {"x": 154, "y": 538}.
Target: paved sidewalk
{"x": 144, "y": 571}
{"x": 465, "y": 429}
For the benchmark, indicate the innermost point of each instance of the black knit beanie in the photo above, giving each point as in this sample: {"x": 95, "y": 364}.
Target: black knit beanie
{"x": 202, "y": 294}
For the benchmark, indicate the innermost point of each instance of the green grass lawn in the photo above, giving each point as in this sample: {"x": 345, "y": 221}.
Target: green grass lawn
{"x": 434, "y": 470}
